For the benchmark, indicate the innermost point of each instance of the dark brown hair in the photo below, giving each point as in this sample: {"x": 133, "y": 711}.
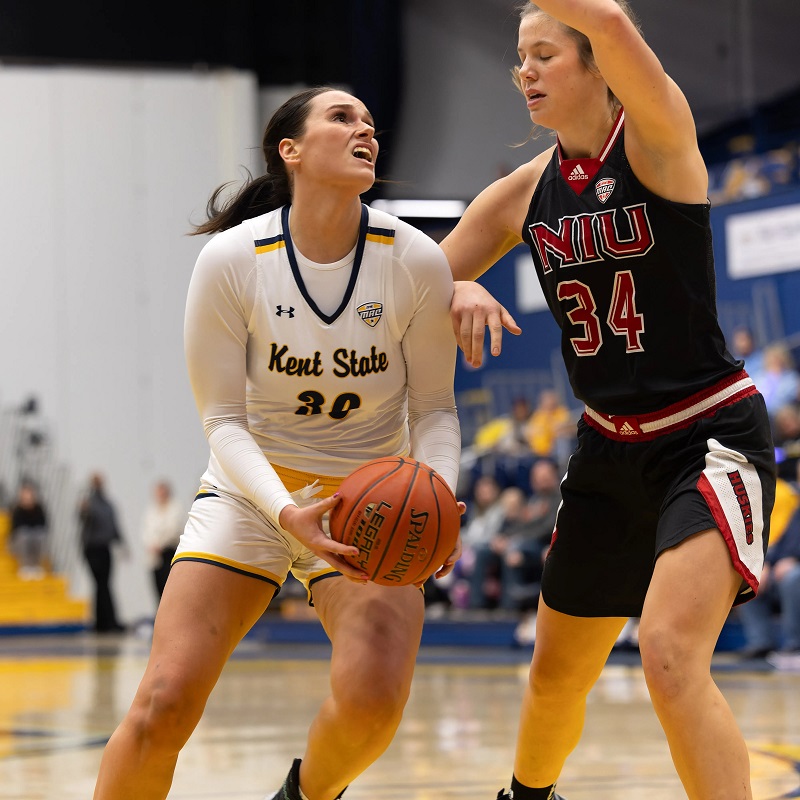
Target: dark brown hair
{"x": 270, "y": 191}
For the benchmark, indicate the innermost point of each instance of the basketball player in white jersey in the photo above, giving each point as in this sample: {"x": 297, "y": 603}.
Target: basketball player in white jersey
{"x": 317, "y": 337}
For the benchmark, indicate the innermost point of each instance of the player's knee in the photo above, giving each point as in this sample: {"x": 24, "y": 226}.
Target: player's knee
{"x": 164, "y": 715}
{"x": 374, "y": 703}
{"x": 560, "y": 684}
{"x": 668, "y": 662}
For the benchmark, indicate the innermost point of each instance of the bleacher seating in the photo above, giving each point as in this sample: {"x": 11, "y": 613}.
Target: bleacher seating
{"x": 33, "y": 605}
{"x": 42, "y": 604}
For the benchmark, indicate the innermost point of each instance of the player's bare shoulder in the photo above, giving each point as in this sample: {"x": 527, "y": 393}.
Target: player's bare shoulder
{"x": 526, "y": 177}
{"x": 515, "y": 190}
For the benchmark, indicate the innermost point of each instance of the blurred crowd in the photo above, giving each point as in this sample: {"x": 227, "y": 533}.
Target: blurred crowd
{"x": 754, "y": 174}
{"x": 771, "y": 622}
{"x": 775, "y": 373}
{"x": 510, "y": 480}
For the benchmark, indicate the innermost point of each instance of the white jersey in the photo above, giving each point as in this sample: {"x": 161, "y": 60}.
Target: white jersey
{"x": 290, "y": 391}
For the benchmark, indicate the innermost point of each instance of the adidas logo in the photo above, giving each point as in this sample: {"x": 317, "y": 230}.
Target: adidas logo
{"x": 578, "y": 174}
{"x": 626, "y": 429}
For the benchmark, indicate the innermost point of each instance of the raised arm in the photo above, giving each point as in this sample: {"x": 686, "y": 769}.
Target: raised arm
{"x": 660, "y": 135}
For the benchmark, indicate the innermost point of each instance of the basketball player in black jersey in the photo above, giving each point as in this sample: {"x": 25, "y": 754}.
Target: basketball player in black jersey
{"x": 668, "y": 495}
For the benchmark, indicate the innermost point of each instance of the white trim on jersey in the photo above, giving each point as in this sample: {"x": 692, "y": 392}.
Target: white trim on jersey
{"x": 732, "y": 489}
{"x": 636, "y": 426}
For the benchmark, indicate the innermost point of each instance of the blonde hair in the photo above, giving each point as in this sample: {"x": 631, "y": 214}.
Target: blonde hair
{"x": 585, "y": 52}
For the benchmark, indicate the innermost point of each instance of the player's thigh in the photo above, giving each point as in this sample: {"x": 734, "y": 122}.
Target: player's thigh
{"x": 693, "y": 587}
{"x": 204, "y": 613}
{"x": 372, "y": 627}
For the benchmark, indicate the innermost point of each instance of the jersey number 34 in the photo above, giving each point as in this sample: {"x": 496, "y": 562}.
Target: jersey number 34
{"x": 623, "y": 319}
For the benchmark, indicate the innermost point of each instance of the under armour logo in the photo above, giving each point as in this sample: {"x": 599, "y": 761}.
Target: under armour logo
{"x": 282, "y": 310}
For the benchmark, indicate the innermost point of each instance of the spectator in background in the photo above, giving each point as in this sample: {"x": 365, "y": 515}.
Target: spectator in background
{"x": 99, "y": 532}
{"x": 743, "y": 346}
{"x": 779, "y": 591}
{"x": 29, "y": 532}
{"x": 483, "y": 520}
{"x": 161, "y": 532}
{"x": 528, "y": 546}
{"x": 503, "y": 448}
{"x": 778, "y": 380}
{"x": 486, "y": 578}
{"x": 506, "y": 433}
{"x": 508, "y": 568}
{"x": 550, "y": 429}
{"x": 786, "y": 425}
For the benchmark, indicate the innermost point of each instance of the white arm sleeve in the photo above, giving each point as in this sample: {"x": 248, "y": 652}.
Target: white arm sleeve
{"x": 429, "y": 347}
{"x": 218, "y": 308}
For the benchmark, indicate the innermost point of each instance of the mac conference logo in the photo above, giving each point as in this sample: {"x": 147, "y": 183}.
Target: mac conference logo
{"x": 370, "y": 313}
{"x": 604, "y": 188}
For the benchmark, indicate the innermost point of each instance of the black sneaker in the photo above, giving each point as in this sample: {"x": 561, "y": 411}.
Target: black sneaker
{"x": 291, "y": 786}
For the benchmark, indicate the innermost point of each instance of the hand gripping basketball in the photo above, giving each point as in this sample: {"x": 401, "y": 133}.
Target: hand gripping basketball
{"x": 402, "y": 517}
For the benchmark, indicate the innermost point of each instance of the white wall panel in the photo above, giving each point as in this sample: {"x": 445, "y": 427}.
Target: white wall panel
{"x": 102, "y": 173}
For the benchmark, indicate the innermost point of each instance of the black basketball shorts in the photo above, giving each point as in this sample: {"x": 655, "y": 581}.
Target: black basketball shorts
{"x": 625, "y": 501}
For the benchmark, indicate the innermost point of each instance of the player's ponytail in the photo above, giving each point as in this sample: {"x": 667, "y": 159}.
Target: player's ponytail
{"x": 270, "y": 191}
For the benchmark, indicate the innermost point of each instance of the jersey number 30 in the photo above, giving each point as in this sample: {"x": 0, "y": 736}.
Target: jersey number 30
{"x": 623, "y": 318}
{"x": 313, "y": 402}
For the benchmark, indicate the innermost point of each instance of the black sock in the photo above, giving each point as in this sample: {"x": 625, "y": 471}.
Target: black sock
{"x": 521, "y": 792}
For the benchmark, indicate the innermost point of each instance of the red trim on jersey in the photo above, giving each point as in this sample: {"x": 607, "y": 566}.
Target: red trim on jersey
{"x": 553, "y": 537}
{"x": 646, "y": 427}
{"x": 577, "y": 172}
{"x": 710, "y": 496}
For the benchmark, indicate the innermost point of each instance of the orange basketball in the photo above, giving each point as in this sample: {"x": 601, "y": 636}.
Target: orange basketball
{"x": 402, "y": 517}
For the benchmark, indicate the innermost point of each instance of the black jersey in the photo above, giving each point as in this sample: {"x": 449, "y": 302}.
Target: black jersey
{"x": 629, "y": 278}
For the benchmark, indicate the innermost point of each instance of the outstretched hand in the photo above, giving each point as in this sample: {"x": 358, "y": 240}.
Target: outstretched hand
{"x": 472, "y": 310}
{"x": 305, "y": 524}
